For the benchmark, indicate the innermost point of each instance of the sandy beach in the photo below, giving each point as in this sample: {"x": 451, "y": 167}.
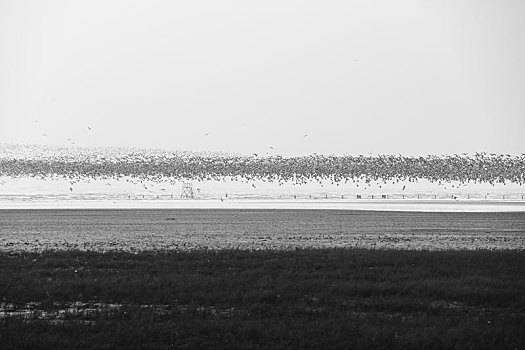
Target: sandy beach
{"x": 155, "y": 229}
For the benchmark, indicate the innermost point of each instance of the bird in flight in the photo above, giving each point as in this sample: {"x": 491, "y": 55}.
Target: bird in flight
{"x": 89, "y": 127}
{"x": 305, "y": 135}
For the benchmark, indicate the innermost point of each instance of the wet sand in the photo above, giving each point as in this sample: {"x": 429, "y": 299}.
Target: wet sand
{"x": 255, "y": 229}
{"x": 409, "y": 205}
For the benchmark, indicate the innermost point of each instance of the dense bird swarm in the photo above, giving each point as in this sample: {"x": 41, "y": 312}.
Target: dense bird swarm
{"x": 78, "y": 164}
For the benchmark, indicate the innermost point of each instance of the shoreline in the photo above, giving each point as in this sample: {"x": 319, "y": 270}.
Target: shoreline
{"x": 408, "y": 205}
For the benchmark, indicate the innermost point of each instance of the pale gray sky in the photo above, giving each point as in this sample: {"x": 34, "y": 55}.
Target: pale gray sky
{"x": 410, "y": 77}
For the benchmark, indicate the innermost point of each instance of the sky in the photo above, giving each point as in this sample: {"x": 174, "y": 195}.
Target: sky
{"x": 277, "y": 77}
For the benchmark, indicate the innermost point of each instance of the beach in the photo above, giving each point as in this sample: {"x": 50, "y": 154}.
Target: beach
{"x": 185, "y": 229}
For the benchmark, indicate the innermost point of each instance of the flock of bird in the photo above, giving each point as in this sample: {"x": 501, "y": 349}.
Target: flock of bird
{"x": 77, "y": 164}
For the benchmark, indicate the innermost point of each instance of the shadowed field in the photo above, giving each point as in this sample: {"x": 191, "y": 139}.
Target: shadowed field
{"x": 320, "y": 298}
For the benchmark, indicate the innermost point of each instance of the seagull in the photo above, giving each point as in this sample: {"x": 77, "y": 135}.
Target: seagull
{"x": 89, "y": 127}
{"x": 305, "y": 135}
{"x": 206, "y": 134}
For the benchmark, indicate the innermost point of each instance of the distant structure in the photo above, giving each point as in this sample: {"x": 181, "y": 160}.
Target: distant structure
{"x": 187, "y": 191}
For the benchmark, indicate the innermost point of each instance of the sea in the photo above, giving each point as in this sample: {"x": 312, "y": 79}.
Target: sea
{"x": 128, "y": 193}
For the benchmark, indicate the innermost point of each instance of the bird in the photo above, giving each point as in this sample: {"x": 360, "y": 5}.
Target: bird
{"x": 89, "y": 127}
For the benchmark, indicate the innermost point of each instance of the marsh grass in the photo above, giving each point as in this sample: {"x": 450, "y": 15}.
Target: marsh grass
{"x": 320, "y": 298}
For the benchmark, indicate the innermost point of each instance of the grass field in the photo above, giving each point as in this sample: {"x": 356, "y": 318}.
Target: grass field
{"x": 305, "y": 298}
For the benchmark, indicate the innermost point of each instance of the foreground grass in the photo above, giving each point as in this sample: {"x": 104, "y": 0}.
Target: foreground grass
{"x": 334, "y": 298}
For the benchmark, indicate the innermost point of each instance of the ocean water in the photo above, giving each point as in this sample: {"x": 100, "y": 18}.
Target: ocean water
{"x": 27, "y": 193}
{"x": 27, "y": 189}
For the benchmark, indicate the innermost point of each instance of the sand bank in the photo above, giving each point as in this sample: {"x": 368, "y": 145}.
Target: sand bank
{"x": 421, "y": 205}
